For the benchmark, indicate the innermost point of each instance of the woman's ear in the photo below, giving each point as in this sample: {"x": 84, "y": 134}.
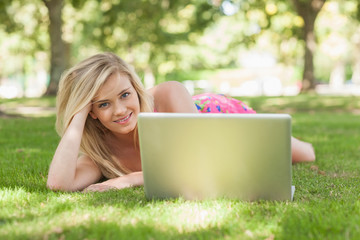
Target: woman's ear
{"x": 93, "y": 115}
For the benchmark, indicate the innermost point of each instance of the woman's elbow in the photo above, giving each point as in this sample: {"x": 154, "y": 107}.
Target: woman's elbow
{"x": 58, "y": 186}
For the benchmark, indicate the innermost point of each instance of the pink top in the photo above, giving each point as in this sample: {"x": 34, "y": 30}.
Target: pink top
{"x": 218, "y": 103}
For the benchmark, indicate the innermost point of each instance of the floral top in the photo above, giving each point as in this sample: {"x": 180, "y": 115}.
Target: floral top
{"x": 218, "y": 103}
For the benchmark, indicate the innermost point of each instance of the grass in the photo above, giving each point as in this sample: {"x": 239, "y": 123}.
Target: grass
{"x": 326, "y": 204}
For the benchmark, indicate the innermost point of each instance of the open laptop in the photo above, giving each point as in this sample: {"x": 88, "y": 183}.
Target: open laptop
{"x": 207, "y": 156}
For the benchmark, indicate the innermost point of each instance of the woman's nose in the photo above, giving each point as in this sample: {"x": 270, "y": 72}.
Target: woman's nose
{"x": 119, "y": 108}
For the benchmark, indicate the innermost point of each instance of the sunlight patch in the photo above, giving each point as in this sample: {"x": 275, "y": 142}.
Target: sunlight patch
{"x": 193, "y": 216}
{"x": 13, "y": 195}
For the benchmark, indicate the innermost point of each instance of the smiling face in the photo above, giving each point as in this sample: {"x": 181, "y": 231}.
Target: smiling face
{"x": 117, "y": 105}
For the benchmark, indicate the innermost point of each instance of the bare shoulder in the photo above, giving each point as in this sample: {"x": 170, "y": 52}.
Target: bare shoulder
{"x": 172, "y": 96}
{"x": 166, "y": 88}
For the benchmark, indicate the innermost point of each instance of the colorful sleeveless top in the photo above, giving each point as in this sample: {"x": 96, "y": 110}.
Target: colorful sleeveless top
{"x": 219, "y": 103}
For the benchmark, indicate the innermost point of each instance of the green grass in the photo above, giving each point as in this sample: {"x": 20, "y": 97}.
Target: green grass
{"x": 326, "y": 204}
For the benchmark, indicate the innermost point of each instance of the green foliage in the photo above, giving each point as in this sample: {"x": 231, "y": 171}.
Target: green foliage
{"x": 189, "y": 75}
{"x": 169, "y": 36}
{"x": 23, "y": 37}
{"x": 5, "y": 18}
{"x": 143, "y": 30}
{"x": 27, "y": 19}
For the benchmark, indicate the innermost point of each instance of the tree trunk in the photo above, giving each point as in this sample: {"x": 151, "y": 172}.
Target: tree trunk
{"x": 308, "y": 10}
{"x": 355, "y": 78}
{"x": 59, "y": 59}
{"x": 308, "y": 81}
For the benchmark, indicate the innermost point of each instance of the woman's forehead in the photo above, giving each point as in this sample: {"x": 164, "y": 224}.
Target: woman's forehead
{"x": 113, "y": 85}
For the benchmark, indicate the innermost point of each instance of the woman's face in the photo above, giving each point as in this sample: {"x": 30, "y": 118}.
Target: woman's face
{"x": 117, "y": 105}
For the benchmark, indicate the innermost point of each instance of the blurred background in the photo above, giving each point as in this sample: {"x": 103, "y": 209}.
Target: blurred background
{"x": 235, "y": 47}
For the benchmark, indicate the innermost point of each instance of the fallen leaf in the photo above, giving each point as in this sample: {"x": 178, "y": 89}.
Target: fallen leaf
{"x": 314, "y": 168}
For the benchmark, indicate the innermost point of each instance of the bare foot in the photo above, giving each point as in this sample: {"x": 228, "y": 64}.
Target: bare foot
{"x": 302, "y": 151}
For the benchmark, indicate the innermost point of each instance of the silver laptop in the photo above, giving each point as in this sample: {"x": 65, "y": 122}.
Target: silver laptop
{"x": 207, "y": 156}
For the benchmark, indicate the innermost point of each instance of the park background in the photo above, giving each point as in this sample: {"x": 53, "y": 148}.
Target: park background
{"x": 236, "y": 47}
{"x": 299, "y": 57}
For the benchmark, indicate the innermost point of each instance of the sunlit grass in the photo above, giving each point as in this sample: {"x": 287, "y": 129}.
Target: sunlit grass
{"x": 326, "y": 203}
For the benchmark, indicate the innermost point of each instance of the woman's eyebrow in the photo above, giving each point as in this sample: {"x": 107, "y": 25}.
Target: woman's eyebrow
{"x": 106, "y": 100}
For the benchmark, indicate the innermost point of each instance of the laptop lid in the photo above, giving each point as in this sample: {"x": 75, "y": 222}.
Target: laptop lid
{"x": 205, "y": 156}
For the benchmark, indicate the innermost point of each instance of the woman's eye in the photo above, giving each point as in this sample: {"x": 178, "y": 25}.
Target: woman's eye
{"x": 125, "y": 95}
{"x": 102, "y": 105}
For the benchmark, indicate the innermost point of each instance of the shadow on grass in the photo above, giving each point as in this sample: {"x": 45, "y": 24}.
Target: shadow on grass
{"x": 113, "y": 230}
{"x": 128, "y": 198}
{"x": 34, "y": 204}
{"x": 8, "y": 115}
{"x": 312, "y": 221}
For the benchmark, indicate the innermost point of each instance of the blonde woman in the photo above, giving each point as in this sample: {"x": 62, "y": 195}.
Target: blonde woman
{"x": 97, "y": 107}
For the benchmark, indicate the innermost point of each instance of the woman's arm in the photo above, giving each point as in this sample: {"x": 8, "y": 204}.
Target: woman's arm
{"x": 172, "y": 96}
{"x": 130, "y": 180}
{"x": 68, "y": 172}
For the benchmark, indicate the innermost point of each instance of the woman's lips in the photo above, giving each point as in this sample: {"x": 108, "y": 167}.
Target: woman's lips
{"x": 124, "y": 120}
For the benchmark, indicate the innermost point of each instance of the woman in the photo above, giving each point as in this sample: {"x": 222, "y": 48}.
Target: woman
{"x": 97, "y": 107}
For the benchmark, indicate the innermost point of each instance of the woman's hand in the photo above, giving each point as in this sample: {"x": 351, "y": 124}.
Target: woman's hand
{"x": 126, "y": 181}
{"x": 85, "y": 111}
{"x": 98, "y": 187}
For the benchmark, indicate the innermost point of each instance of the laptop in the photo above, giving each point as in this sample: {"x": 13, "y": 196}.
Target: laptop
{"x": 207, "y": 156}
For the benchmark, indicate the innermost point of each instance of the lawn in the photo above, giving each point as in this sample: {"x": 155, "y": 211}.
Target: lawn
{"x": 326, "y": 203}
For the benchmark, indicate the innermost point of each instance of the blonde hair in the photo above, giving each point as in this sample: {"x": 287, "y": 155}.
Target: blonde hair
{"x": 78, "y": 87}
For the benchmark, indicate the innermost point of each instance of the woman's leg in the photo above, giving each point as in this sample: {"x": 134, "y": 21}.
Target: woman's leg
{"x": 302, "y": 151}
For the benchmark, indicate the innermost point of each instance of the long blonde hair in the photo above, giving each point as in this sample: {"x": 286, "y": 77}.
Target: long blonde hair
{"x": 78, "y": 87}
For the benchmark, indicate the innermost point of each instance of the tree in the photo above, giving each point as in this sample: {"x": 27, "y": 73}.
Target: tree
{"x": 145, "y": 33}
{"x": 58, "y": 59}
{"x": 308, "y": 10}
{"x": 34, "y": 36}
{"x": 280, "y": 20}
{"x": 24, "y": 42}
{"x": 356, "y": 38}
{"x": 133, "y": 28}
